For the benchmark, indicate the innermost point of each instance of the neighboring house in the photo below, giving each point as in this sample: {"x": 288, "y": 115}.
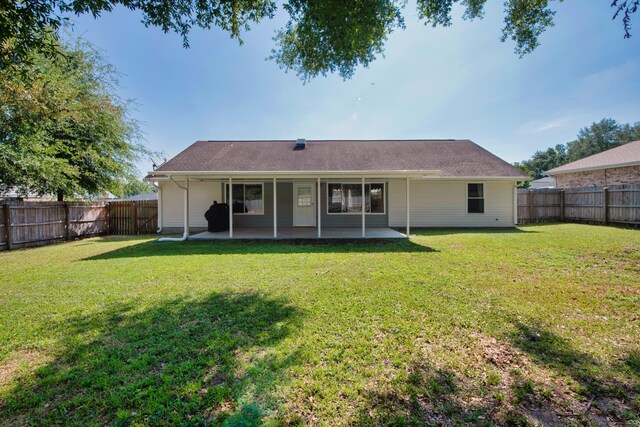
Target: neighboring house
{"x": 139, "y": 197}
{"x": 618, "y": 166}
{"x": 322, "y": 185}
{"x": 15, "y": 195}
{"x": 545, "y": 182}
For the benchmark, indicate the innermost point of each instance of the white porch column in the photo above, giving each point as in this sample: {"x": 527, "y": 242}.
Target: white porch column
{"x": 186, "y": 209}
{"x": 230, "y": 201}
{"x": 363, "y": 208}
{"x": 408, "y": 209}
{"x": 159, "y": 188}
{"x": 515, "y": 203}
{"x": 319, "y": 202}
{"x": 275, "y": 210}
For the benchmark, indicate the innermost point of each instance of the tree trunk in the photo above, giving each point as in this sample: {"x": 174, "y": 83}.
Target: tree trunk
{"x": 60, "y": 196}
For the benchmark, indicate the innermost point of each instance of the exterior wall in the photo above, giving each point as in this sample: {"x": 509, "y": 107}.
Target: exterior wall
{"x": 599, "y": 178}
{"x": 285, "y": 211}
{"x": 285, "y": 207}
{"x": 285, "y": 204}
{"x": 201, "y": 196}
{"x": 436, "y": 203}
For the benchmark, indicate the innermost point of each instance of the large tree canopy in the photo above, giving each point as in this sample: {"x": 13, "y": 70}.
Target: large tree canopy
{"x": 320, "y": 37}
{"x": 594, "y": 139}
{"x": 62, "y": 128}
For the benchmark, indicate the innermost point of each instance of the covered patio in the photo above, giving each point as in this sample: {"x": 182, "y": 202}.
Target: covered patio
{"x": 301, "y": 233}
{"x": 362, "y": 223}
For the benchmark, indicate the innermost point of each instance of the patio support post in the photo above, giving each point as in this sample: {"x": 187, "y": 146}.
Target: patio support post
{"x": 515, "y": 203}
{"x": 408, "y": 210}
{"x": 230, "y": 201}
{"x": 362, "y": 202}
{"x": 275, "y": 210}
{"x": 186, "y": 209}
{"x": 319, "y": 202}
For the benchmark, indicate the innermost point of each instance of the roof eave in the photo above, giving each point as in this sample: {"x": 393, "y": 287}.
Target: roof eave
{"x": 553, "y": 172}
{"x": 424, "y": 174}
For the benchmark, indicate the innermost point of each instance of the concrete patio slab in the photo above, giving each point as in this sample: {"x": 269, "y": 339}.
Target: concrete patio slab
{"x": 301, "y": 233}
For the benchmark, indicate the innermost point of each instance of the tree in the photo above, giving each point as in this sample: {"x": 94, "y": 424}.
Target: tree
{"x": 542, "y": 161}
{"x": 62, "y": 128}
{"x": 320, "y": 37}
{"x": 599, "y": 137}
{"x": 134, "y": 186}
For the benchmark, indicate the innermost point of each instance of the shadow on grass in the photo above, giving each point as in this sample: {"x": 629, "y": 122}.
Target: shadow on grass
{"x": 553, "y": 351}
{"x": 225, "y": 247}
{"x": 428, "y": 396}
{"x": 612, "y": 389}
{"x": 184, "y": 362}
{"x": 498, "y": 386}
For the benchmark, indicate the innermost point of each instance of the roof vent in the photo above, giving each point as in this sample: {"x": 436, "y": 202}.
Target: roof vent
{"x": 301, "y": 143}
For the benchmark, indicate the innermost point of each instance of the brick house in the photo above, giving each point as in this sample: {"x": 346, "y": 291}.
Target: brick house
{"x": 618, "y": 166}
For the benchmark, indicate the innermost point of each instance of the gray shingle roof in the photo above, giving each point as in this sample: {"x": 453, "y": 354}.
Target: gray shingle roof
{"x": 623, "y": 155}
{"x": 452, "y": 158}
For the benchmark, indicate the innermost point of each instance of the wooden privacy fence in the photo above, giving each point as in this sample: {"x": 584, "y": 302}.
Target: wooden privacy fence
{"x": 611, "y": 205}
{"x": 139, "y": 217}
{"x": 34, "y": 224}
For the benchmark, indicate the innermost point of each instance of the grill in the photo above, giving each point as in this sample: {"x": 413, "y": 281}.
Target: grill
{"x": 217, "y": 217}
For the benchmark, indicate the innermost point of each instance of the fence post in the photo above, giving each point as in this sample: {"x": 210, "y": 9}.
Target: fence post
{"x": 135, "y": 217}
{"x": 561, "y": 205}
{"x": 606, "y": 205}
{"x": 67, "y": 220}
{"x": 530, "y": 205}
{"x": 107, "y": 217}
{"x": 7, "y": 226}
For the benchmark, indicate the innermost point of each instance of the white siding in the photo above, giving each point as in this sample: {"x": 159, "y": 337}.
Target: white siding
{"x": 172, "y": 205}
{"x": 443, "y": 204}
{"x": 201, "y": 196}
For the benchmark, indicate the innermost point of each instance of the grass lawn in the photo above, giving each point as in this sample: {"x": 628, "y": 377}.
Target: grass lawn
{"x": 539, "y": 325}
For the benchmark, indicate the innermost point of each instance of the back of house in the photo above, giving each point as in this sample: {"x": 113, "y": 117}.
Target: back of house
{"x": 329, "y": 184}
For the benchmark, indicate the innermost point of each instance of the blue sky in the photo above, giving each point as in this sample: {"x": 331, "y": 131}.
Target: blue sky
{"x": 456, "y": 82}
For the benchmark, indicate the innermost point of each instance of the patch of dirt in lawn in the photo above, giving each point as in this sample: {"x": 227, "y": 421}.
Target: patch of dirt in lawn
{"x": 483, "y": 380}
{"x": 530, "y": 392}
{"x": 563, "y": 389}
{"x": 19, "y": 362}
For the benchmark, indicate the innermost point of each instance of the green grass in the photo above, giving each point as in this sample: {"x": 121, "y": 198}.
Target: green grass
{"x": 533, "y": 326}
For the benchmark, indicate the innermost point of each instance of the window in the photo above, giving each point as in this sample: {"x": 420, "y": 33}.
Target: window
{"x": 374, "y": 198}
{"x": 347, "y": 198}
{"x": 247, "y": 198}
{"x": 304, "y": 197}
{"x": 475, "y": 198}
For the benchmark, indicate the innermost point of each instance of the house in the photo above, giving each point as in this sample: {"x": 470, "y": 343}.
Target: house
{"x": 544, "y": 182}
{"x": 152, "y": 195}
{"x": 617, "y": 166}
{"x": 338, "y": 188}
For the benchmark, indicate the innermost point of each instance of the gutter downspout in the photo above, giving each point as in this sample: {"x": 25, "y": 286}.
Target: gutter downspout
{"x": 159, "y": 189}
{"x": 185, "y": 234}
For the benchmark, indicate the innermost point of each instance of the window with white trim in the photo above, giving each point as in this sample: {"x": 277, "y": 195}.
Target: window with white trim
{"x": 475, "y": 198}
{"x": 347, "y": 198}
{"x": 247, "y": 198}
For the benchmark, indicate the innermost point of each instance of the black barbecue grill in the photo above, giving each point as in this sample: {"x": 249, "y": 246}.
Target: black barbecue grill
{"x": 217, "y": 217}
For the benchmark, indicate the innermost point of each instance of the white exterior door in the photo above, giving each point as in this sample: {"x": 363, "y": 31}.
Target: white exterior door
{"x": 304, "y": 204}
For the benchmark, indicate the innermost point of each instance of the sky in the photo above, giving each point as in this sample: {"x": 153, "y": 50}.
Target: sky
{"x": 458, "y": 82}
